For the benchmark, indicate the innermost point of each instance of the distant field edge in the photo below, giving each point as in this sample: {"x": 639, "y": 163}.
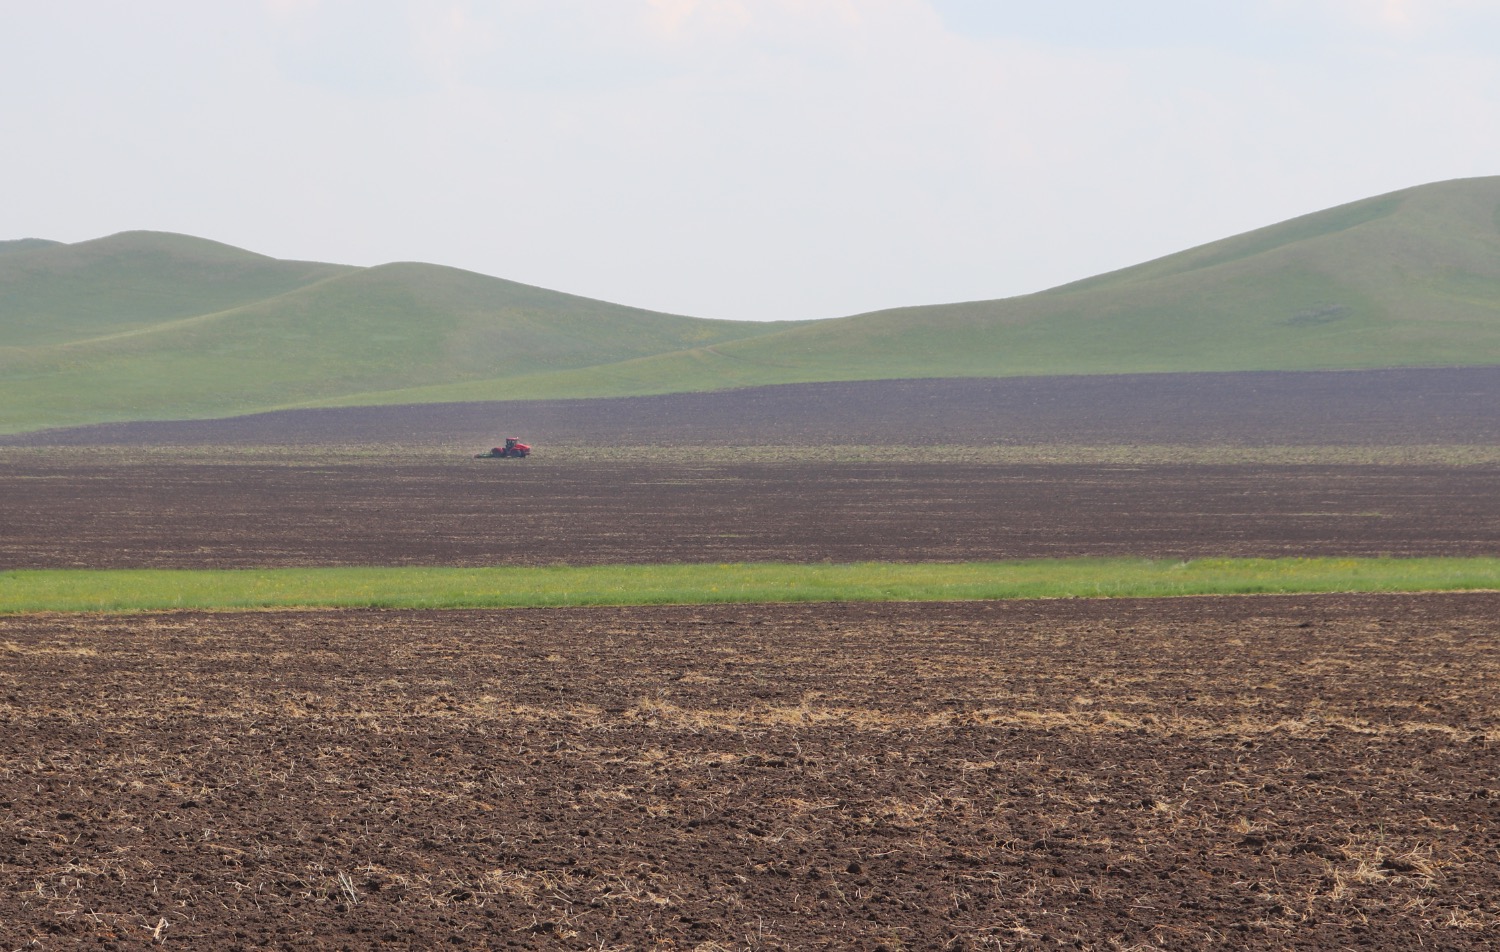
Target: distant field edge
{"x": 25, "y": 591}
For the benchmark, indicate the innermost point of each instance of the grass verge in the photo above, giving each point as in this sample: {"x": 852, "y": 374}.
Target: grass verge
{"x": 128, "y": 590}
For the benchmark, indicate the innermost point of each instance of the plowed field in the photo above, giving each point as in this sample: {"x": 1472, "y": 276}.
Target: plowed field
{"x": 1308, "y": 772}
{"x": 1404, "y": 407}
{"x": 1281, "y": 772}
{"x": 116, "y": 513}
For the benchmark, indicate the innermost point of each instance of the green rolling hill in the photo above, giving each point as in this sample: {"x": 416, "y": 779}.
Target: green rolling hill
{"x": 152, "y": 326}
{"x": 1406, "y": 279}
{"x": 145, "y": 325}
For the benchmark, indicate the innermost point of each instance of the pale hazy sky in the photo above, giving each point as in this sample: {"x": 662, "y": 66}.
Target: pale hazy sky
{"x": 734, "y": 158}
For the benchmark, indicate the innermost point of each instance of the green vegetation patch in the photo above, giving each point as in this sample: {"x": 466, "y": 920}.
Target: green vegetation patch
{"x": 70, "y": 590}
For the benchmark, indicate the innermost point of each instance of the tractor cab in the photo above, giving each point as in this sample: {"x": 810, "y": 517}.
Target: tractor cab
{"x": 513, "y": 449}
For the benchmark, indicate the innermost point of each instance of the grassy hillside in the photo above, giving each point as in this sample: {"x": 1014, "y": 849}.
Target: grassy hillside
{"x": 143, "y": 326}
{"x": 153, "y": 326}
{"x": 1406, "y": 279}
{"x": 25, "y": 244}
{"x": 52, "y": 293}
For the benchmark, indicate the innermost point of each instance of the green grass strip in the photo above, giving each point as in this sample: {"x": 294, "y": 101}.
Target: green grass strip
{"x": 129, "y": 590}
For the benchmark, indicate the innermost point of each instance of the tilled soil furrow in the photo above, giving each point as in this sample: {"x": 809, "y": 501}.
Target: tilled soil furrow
{"x": 61, "y": 513}
{"x": 1303, "y": 772}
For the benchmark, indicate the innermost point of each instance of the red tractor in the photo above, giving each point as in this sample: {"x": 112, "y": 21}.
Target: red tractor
{"x": 513, "y": 448}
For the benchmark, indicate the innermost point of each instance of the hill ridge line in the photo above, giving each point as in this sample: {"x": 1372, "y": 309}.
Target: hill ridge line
{"x": 195, "y": 319}
{"x": 1407, "y": 278}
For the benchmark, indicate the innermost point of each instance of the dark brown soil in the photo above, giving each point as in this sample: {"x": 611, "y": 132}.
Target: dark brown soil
{"x": 1329, "y": 408}
{"x": 153, "y": 513}
{"x": 1309, "y": 772}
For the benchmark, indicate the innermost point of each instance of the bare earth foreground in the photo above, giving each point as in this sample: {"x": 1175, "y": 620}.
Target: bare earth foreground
{"x": 1304, "y": 772}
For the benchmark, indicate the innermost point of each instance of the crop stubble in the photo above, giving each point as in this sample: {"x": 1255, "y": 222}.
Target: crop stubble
{"x": 1293, "y": 771}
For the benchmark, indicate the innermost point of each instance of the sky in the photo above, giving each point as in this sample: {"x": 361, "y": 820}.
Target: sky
{"x": 746, "y": 159}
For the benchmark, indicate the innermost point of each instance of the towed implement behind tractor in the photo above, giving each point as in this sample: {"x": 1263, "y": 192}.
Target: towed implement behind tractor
{"x": 513, "y": 448}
